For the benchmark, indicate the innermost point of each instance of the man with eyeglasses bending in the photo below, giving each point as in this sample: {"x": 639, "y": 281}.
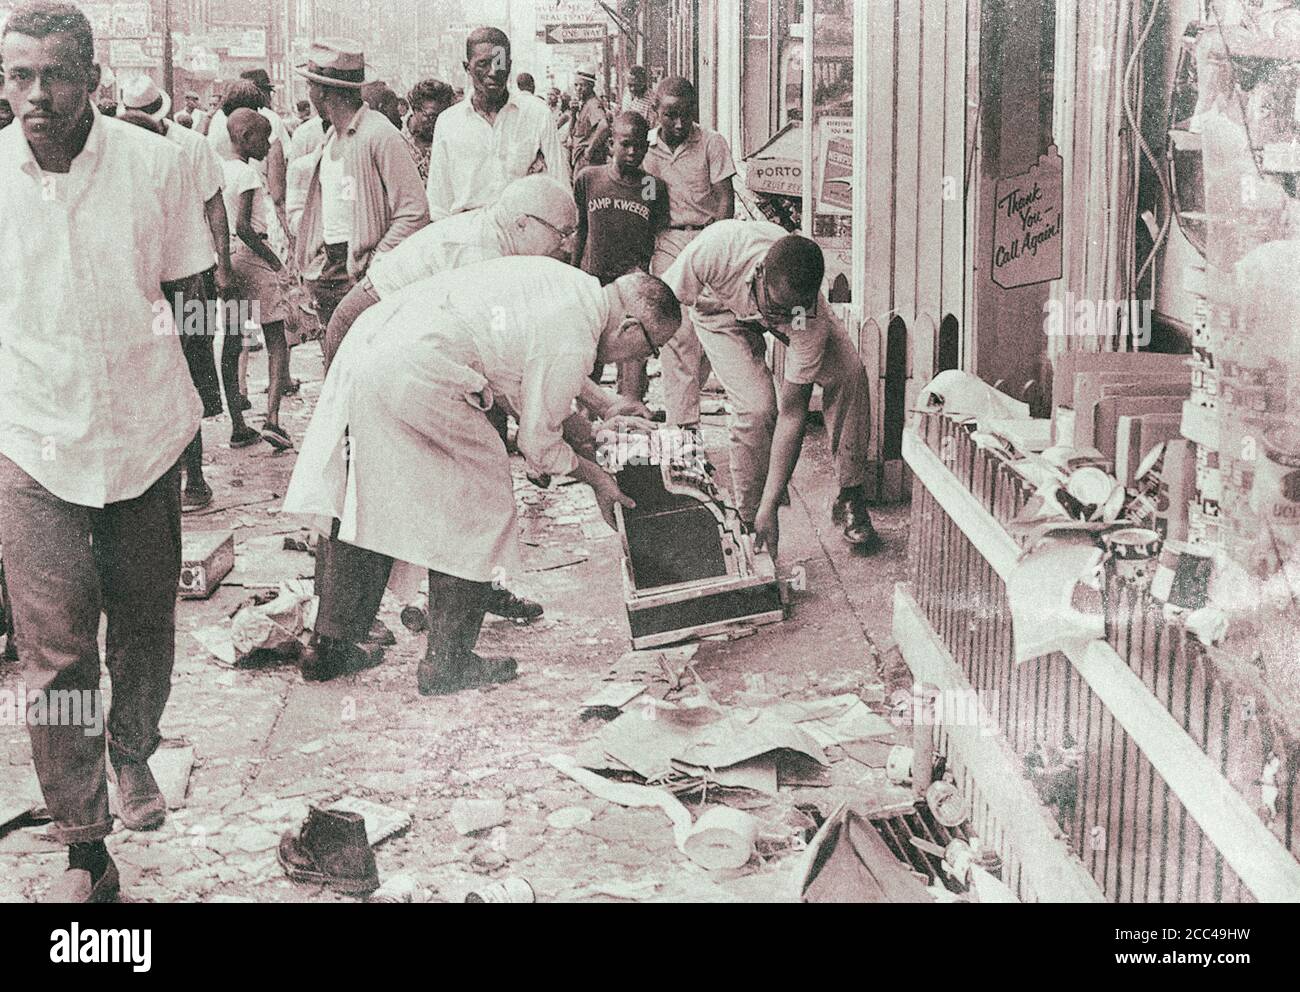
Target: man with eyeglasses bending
{"x": 743, "y": 279}
{"x": 402, "y": 464}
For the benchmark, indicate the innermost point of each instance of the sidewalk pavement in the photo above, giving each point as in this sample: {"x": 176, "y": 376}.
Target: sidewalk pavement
{"x": 267, "y": 744}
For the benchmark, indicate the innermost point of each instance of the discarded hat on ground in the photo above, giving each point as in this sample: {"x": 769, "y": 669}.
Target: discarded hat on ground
{"x": 142, "y": 93}
{"x": 335, "y": 62}
{"x": 258, "y": 76}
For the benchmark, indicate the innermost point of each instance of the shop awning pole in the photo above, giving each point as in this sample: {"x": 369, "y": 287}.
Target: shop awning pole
{"x": 806, "y": 211}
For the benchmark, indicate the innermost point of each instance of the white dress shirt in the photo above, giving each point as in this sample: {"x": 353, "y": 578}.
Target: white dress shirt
{"x": 96, "y": 401}
{"x": 200, "y": 159}
{"x": 472, "y": 161}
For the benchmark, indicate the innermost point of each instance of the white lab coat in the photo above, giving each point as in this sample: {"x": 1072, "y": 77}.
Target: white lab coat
{"x": 399, "y": 449}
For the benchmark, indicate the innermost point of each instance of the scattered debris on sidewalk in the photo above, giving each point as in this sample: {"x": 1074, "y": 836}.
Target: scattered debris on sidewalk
{"x": 470, "y": 816}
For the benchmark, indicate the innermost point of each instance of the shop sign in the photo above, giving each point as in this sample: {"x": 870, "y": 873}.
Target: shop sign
{"x": 1027, "y": 237}
{"x": 100, "y": 16}
{"x": 835, "y": 160}
{"x": 777, "y": 167}
{"x": 571, "y": 11}
{"x": 129, "y": 54}
{"x": 251, "y": 44}
{"x": 130, "y": 20}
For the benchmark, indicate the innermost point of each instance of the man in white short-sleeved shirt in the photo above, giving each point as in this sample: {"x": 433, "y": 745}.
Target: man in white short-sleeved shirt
{"x": 742, "y": 279}
{"x": 493, "y": 136}
{"x": 102, "y": 228}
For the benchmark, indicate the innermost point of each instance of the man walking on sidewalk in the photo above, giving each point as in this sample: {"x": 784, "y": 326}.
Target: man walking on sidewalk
{"x": 493, "y": 136}
{"x": 742, "y": 279}
{"x": 95, "y": 410}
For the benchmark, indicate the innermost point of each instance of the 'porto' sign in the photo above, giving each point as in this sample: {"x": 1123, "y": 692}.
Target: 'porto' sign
{"x": 1027, "y": 225}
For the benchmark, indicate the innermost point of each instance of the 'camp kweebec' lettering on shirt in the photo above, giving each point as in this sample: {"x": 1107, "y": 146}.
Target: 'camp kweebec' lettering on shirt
{"x": 642, "y": 210}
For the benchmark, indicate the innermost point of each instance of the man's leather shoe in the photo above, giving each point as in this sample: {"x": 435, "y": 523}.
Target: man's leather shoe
{"x": 328, "y": 658}
{"x": 330, "y": 849}
{"x": 140, "y": 802}
{"x": 435, "y": 676}
{"x": 506, "y": 604}
{"x": 853, "y": 514}
{"x": 75, "y": 886}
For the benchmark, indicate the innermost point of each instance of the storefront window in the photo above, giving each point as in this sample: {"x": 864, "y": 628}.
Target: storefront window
{"x": 772, "y": 113}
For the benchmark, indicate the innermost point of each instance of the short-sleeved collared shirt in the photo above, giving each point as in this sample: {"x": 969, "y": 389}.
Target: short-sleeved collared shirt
{"x": 691, "y": 170}
{"x": 472, "y": 161}
{"x": 715, "y": 273}
{"x": 96, "y": 400}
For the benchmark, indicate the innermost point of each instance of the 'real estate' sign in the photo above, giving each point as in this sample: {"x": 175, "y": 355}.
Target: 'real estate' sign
{"x": 1027, "y": 225}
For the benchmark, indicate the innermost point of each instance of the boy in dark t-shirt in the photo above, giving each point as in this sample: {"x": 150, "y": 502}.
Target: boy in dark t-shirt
{"x": 621, "y": 209}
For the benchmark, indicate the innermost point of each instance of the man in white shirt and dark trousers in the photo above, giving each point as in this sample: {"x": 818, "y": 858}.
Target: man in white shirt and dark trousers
{"x": 102, "y": 227}
{"x": 491, "y": 137}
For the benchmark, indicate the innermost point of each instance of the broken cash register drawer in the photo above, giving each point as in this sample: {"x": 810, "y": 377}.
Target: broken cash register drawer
{"x": 689, "y": 565}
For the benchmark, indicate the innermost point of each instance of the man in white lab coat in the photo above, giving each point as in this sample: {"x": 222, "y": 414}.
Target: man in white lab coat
{"x": 401, "y": 463}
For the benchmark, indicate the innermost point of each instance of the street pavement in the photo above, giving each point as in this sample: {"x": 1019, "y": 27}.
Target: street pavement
{"x": 267, "y": 745}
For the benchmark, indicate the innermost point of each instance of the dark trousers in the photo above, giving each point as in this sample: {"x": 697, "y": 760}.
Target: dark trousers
{"x": 350, "y": 582}
{"x": 65, "y": 564}
{"x": 328, "y": 291}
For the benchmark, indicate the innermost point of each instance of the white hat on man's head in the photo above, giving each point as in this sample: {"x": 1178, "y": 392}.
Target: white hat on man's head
{"x": 587, "y": 71}
{"x": 142, "y": 93}
{"x": 337, "y": 62}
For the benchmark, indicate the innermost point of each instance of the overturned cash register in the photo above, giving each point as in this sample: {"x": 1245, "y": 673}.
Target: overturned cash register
{"x": 689, "y": 565}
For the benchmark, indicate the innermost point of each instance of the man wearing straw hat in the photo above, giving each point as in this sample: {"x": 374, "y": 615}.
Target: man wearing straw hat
{"x": 365, "y": 194}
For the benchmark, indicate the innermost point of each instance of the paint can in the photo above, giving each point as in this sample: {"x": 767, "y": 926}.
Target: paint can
{"x": 1182, "y": 576}
{"x": 516, "y": 890}
{"x": 1131, "y": 554}
{"x": 947, "y": 804}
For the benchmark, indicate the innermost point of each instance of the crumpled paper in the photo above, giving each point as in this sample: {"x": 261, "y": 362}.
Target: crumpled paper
{"x": 961, "y": 394}
{"x": 1041, "y": 591}
{"x": 276, "y": 626}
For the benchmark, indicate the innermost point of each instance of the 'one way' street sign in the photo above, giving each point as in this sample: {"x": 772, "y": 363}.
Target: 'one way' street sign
{"x": 572, "y": 34}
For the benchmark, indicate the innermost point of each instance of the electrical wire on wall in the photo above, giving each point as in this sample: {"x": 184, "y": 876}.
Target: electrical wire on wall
{"x": 1136, "y": 275}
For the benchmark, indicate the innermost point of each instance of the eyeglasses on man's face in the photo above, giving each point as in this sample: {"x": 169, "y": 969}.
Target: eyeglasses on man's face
{"x": 778, "y": 311}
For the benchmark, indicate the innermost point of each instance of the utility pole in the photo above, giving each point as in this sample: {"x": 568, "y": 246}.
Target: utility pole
{"x": 169, "y": 68}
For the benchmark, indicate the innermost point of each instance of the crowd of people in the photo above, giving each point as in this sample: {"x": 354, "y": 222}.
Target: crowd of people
{"x": 463, "y": 261}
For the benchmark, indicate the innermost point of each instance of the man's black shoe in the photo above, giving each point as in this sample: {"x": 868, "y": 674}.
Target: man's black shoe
{"x": 851, "y": 511}
{"x": 506, "y": 604}
{"x": 327, "y": 658}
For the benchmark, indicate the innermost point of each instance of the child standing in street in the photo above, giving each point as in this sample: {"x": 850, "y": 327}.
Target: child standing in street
{"x": 257, "y": 269}
{"x": 621, "y": 210}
